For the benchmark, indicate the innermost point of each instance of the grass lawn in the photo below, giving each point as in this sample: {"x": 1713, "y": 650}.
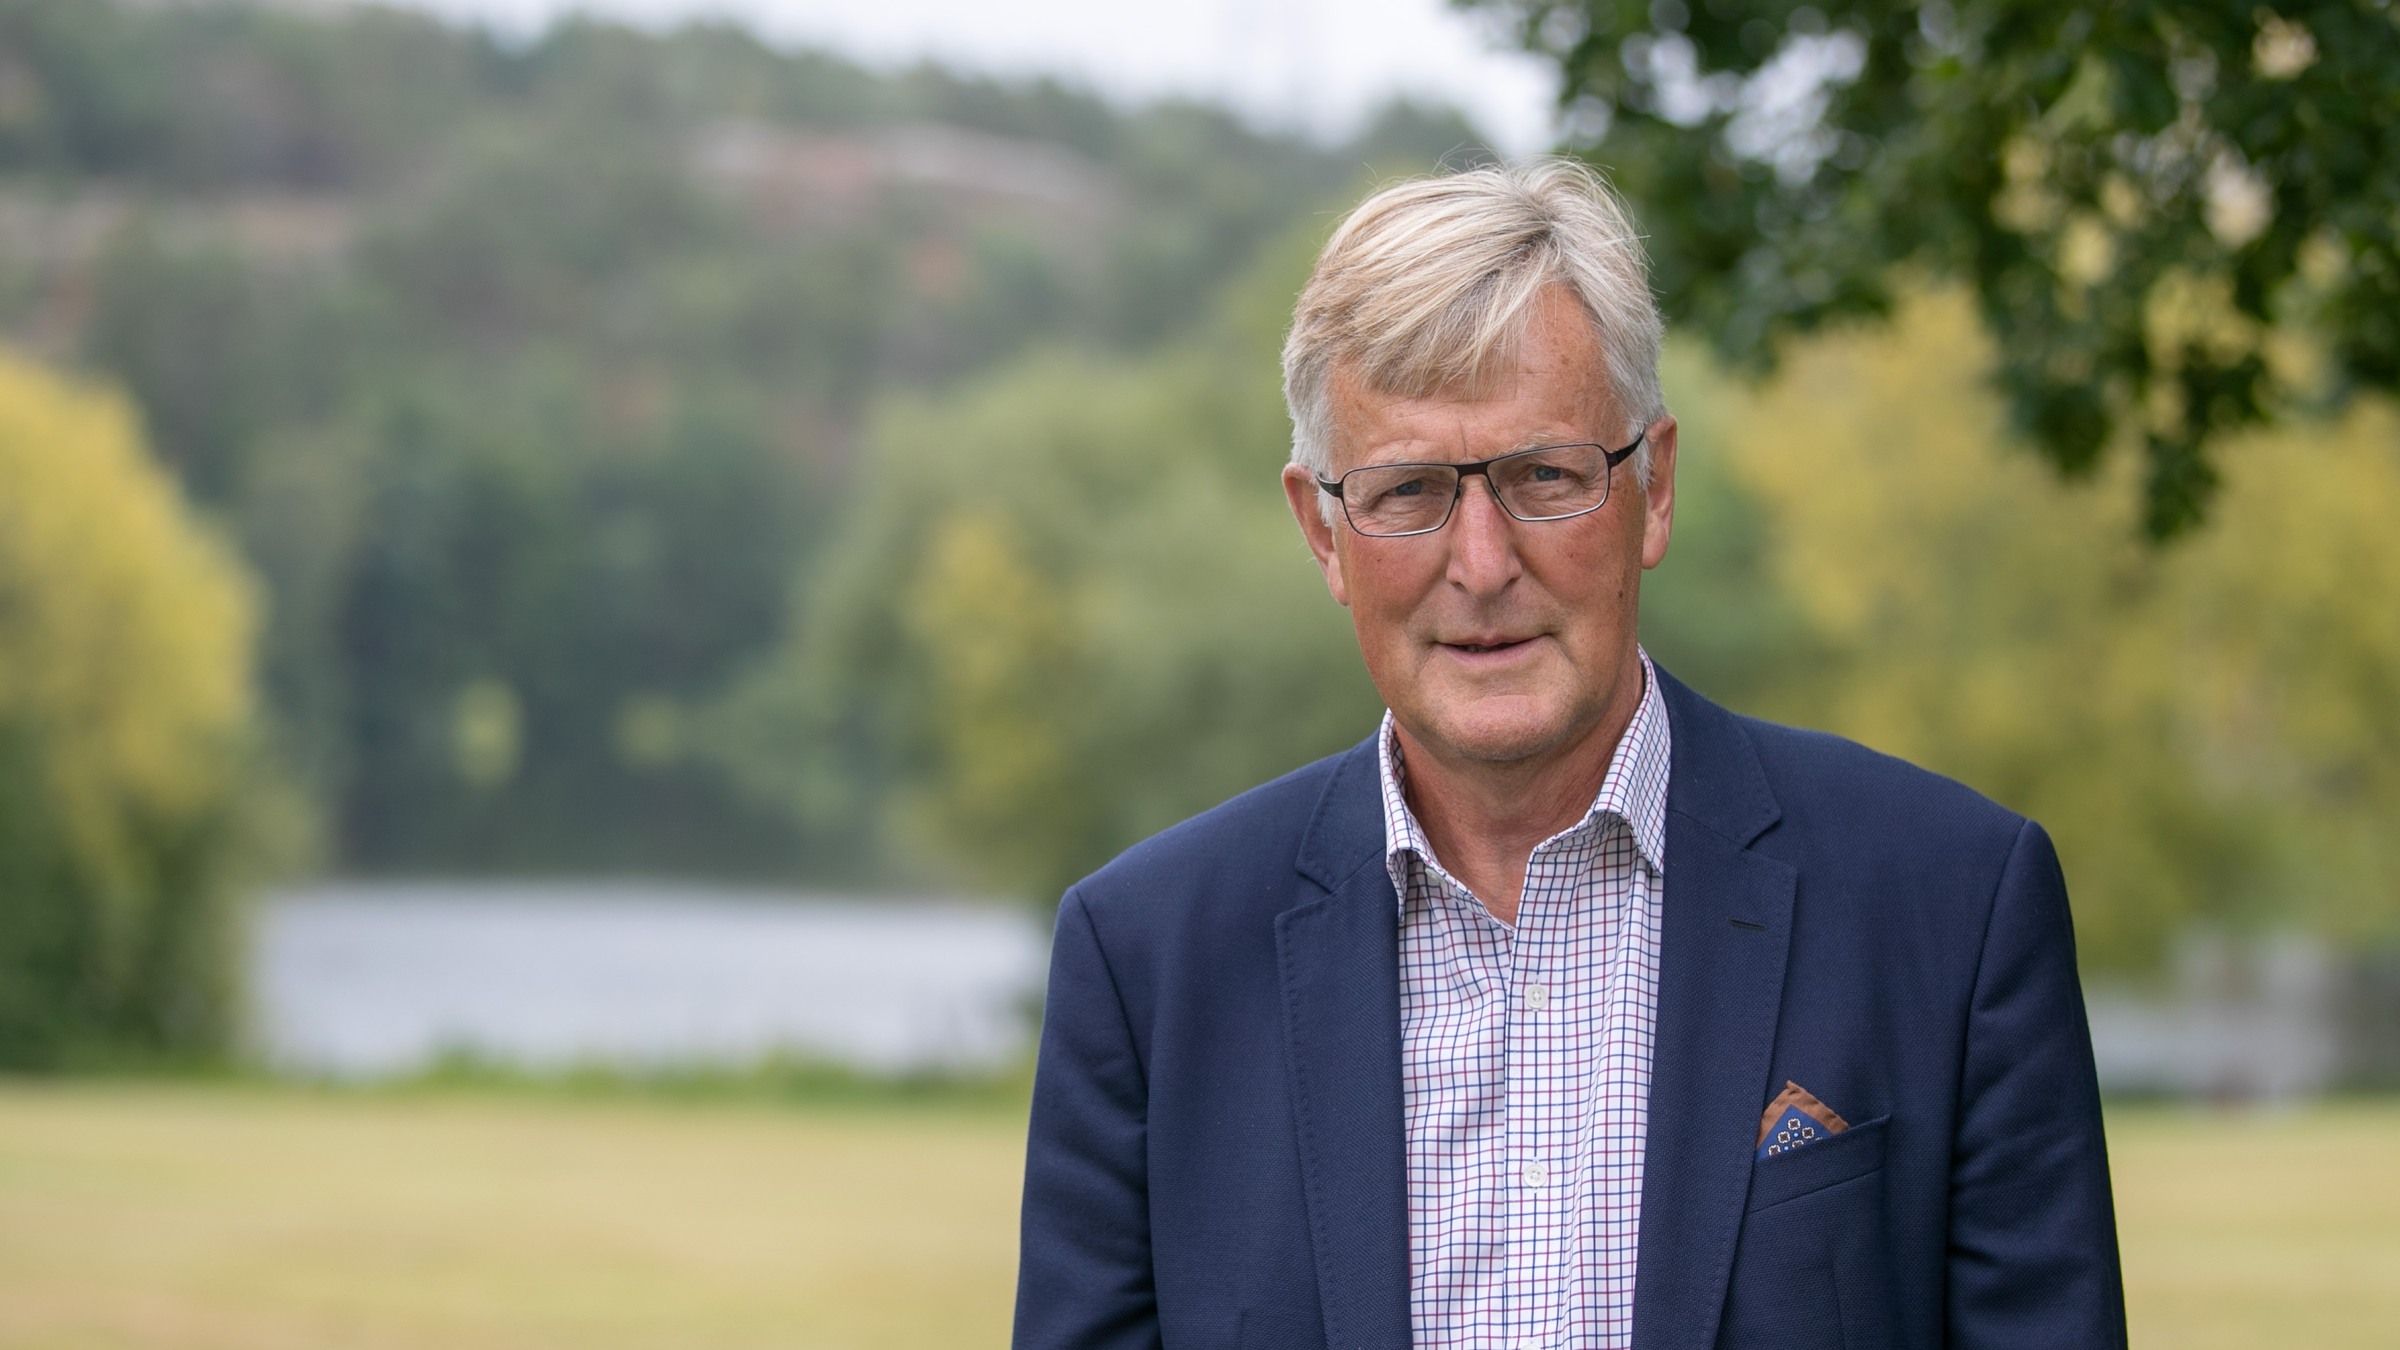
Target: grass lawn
{"x": 263, "y": 1218}
{"x": 2274, "y": 1229}
{"x": 187, "y": 1216}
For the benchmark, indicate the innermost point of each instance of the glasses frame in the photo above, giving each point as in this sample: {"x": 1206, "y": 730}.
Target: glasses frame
{"x": 1483, "y": 468}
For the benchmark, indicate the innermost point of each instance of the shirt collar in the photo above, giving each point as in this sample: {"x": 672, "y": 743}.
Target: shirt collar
{"x": 1634, "y": 791}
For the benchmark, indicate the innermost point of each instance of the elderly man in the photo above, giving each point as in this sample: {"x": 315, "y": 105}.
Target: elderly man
{"x": 1569, "y": 1009}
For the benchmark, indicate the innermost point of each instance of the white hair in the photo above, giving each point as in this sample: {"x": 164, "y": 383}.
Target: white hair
{"x": 1428, "y": 286}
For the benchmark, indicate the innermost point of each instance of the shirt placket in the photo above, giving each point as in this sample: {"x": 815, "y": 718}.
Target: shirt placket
{"x": 1621, "y": 1113}
{"x": 1482, "y": 946}
{"x": 1540, "y": 1172}
{"x": 1609, "y": 1119}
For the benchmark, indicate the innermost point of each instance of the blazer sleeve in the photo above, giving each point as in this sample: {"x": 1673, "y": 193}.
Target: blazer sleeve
{"x": 2033, "y": 1241}
{"x": 1083, "y": 1275}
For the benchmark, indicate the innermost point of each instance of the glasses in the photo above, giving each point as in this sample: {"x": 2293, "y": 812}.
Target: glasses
{"x": 1548, "y": 482}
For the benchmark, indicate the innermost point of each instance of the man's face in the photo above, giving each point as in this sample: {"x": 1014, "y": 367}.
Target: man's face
{"x": 1496, "y": 640}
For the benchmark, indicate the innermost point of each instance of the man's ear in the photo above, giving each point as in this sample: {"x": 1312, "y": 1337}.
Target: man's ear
{"x": 1658, "y": 500}
{"x": 1301, "y": 490}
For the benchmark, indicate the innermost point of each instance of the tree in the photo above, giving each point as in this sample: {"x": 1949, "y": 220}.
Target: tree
{"x": 1069, "y": 609}
{"x": 530, "y": 376}
{"x": 2208, "y": 731}
{"x": 2178, "y": 220}
{"x": 125, "y": 711}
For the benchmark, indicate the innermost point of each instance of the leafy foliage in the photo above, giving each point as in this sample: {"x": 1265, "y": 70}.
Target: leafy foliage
{"x": 1043, "y": 640}
{"x": 125, "y": 706}
{"x": 2208, "y": 732}
{"x": 617, "y": 507}
{"x": 1070, "y": 610}
{"x": 2137, "y": 195}
{"x": 531, "y": 377}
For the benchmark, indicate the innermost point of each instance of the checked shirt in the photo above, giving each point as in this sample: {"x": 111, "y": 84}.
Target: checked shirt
{"x": 1525, "y": 1060}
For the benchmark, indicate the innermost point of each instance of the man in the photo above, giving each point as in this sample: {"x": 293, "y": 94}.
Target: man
{"x": 1569, "y": 1010}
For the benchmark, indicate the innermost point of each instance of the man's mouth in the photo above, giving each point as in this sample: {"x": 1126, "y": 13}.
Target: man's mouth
{"x": 1482, "y": 646}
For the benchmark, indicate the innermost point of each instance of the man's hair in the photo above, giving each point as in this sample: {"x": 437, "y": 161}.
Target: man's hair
{"x": 1428, "y": 287}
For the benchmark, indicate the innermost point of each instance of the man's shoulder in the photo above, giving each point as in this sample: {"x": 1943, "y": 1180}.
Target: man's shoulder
{"x": 1822, "y": 767}
{"x": 1865, "y": 814}
{"x": 1819, "y": 790}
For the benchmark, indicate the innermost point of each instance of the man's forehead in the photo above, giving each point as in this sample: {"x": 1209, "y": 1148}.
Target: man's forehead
{"x": 1514, "y": 411}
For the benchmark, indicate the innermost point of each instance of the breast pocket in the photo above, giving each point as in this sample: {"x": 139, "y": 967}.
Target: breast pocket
{"x": 1828, "y": 1162}
{"x": 1812, "y": 1270}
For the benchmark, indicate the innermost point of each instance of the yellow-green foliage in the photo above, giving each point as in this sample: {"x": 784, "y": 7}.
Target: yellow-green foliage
{"x": 1104, "y": 607}
{"x": 2212, "y": 728}
{"x": 1072, "y": 608}
{"x": 125, "y": 694}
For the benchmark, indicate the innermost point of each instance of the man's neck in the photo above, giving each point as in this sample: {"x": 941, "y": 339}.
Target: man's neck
{"x": 1483, "y": 819}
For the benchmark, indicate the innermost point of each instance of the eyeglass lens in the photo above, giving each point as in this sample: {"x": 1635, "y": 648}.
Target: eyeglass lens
{"x": 1540, "y": 484}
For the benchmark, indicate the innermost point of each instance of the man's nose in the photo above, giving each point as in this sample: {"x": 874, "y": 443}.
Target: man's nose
{"x": 1483, "y": 543}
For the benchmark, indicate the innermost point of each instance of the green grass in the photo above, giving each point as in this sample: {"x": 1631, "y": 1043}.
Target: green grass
{"x": 2260, "y": 1229}
{"x": 233, "y": 1215}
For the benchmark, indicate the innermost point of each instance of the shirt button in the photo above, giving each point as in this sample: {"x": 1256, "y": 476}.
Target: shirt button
{"x": 1537, "y": 997}
{"x": 1536, "y": 1174}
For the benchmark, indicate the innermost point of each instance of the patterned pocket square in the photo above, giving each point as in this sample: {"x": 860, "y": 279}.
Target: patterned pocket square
{"x": 1794, "y": 1119}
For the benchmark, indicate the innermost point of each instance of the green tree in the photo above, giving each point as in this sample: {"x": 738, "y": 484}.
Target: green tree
{"x": 206, "y": 96}
{"x": 125, "y": 707}
{"x": 2137, "y": 195}
{"x": 536, "y": 570}
{"x": 1070, "y": 609}
{"x": 531, "y": 377}
{"x": 2208, "y": 731}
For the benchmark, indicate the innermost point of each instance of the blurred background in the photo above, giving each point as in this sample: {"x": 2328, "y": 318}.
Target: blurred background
{"x": 575, "y": 581}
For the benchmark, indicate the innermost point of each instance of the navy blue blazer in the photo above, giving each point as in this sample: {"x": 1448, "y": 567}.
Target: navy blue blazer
{"x": 1217, "y": 1157}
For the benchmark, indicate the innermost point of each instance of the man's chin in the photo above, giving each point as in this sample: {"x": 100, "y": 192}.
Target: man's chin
{"x": 1501, "y": 736}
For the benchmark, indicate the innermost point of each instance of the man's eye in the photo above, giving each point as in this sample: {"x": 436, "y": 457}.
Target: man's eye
{"x": 1547, "y": 473}
{"x": 1413, "y": 487}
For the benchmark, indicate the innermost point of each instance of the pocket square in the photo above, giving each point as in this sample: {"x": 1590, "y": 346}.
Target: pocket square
{"x": 1796, "y": 1119}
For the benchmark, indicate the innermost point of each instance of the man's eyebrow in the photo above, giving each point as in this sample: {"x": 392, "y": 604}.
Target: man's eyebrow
{"x": 1541, "y": 442}
{"x": 1427, "y": 452}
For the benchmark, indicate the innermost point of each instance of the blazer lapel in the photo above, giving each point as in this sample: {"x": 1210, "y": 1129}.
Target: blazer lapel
{"x": 1725, "y": 934}
{"x": 1338, "y": 953}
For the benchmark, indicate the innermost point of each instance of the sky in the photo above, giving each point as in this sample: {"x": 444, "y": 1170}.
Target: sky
{"x": 1316, "y": 65}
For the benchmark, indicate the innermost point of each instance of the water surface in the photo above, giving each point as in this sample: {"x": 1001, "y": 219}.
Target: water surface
{"x": 359, "y": 979}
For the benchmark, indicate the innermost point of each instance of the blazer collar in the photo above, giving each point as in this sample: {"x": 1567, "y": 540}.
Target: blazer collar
{"x": 1716, "y": 778}
{"x": 1346, "y": 829}
{"x": 1337, "y": 954}
{"x": 1724, "y": 938}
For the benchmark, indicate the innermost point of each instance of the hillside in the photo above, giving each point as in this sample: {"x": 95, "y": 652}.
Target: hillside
{"x": 529, "y": 376}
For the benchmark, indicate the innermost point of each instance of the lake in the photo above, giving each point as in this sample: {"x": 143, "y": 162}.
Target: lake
{"x": 372, "y": 979}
